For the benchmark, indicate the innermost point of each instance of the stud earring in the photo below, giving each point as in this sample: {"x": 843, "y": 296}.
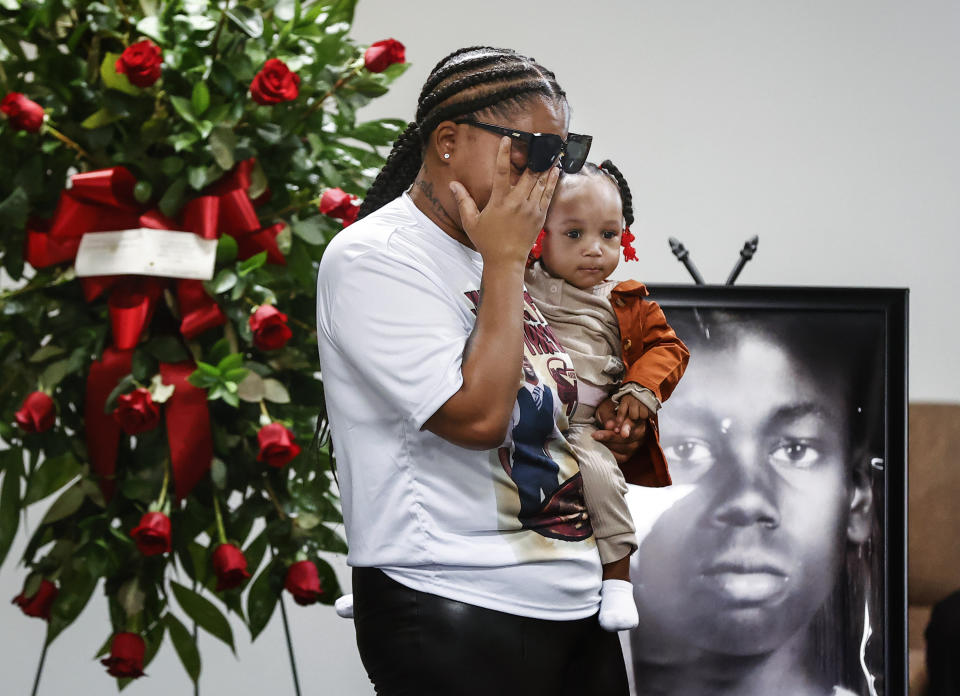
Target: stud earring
{"x": 446, "y": 155}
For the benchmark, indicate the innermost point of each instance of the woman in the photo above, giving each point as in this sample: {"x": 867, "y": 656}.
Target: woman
{"x": 753, "y": 578}
{"x": 468, "y": 577}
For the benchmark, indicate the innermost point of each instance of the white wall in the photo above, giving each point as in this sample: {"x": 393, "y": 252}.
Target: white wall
{"x": 831, "y": 128}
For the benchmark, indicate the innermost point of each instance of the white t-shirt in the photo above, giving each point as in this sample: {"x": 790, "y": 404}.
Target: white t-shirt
{"x": 504, "y": 529}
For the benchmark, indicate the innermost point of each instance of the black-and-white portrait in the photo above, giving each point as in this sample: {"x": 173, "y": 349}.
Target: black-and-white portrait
{"x": 761, "y": 569}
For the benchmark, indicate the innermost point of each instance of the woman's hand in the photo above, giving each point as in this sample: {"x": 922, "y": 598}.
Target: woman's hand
{"x": 509, "y": 224}
{"x": 621, "y": 434}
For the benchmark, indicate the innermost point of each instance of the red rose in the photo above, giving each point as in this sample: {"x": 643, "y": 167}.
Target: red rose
{"x": 230, "y": 567}
{"x": 269, "y": 326}
{"x": 303, "y": 582}
{"x": 126, "y": 656}
{"x": 277, "y": 446}
{"x": 140, "y": 63}
{"x": 136, "y": 412}
{"x": 383, "y": 54}
{"x": 339, "y": 204}
{"x": 39, "y": 603}
{"x": 274, "y": 83}
{"x": 24, "y": 113}
{"x": 152, "y": 535}
{"x": 37, "y": 413}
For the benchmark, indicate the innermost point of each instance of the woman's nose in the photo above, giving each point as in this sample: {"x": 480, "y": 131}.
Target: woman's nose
{"x": 747, "y": 494}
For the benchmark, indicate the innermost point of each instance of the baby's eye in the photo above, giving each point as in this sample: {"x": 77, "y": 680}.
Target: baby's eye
{"x": 610, "y": 234}
{"x": 573, "y": 234}
{"x": 795, "y": 454}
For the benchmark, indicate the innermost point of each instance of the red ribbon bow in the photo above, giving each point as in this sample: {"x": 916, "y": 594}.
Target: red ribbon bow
{"x": 103, "y": 200}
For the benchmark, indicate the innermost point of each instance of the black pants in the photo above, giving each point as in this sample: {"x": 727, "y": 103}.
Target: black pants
{"x": 417, "y": 643}
{"x": 943, "y": 647}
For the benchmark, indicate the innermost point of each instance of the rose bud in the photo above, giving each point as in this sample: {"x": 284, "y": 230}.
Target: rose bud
{"x": 136, "y": 412}
{"x": 339, "y": 204}
{"x": 152, "y": 535}
{"x": 37, "y": 413}
{"x": 39, "y": 604}
{"x": 141, "y": 63}
{"x": 383, "y": 54}
{"x": 230, "y": 567}
{"x": 274, "y": 83}
{"x": 23, "y": 112}
{"x": 126, "y": 656}
{"x": 303, "y": 582}
{"x": 277, "y": 445}
{"x": 269, "y": 326}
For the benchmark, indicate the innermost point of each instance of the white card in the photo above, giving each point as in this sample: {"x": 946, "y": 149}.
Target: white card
{"x": 146, "y": 251}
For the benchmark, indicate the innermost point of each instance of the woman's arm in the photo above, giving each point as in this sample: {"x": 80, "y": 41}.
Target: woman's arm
{"x": 478, "y": 414}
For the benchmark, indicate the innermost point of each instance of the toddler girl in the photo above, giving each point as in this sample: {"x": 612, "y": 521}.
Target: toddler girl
{"x": 621, "y": 347}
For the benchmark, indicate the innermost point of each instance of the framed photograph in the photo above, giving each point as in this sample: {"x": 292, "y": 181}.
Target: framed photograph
{"x": 775, "y": 563}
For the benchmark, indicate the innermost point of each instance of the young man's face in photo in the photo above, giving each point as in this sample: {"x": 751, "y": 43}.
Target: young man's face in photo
{"x": 740, "y": 564}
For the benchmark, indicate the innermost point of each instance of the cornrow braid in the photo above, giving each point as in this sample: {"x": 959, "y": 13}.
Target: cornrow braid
{"x": 466, "y": 81}
{"x": 626, "y": 198}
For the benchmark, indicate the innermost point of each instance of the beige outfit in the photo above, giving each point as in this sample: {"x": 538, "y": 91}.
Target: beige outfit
{"x": 587, "y": 327}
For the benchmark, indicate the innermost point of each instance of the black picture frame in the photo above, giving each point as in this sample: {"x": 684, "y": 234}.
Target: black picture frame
{"x": 880, "y": 310}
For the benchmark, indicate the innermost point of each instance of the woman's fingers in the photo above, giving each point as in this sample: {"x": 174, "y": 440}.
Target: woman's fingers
{"x": 501, "y": 177}
{"x": 466, "y": 204}
{"x": 549, "y": 187}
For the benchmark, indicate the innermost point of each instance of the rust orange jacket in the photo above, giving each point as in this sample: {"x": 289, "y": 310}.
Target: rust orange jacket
{"x": 655, "y": 358}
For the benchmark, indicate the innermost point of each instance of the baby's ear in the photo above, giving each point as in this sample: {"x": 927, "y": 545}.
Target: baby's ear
{"x": 861, "y": 509}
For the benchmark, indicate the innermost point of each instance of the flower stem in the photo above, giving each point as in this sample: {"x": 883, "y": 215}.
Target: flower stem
{"x": 67, "y": 141}
{"x": 221, "y": 534}
{"x": 336, "y": 85}
{"x": 286, "y": 632}
{"x": 263, "y": 409}
{"x": 166, "y": 484}
{"x": 273, "y": 498}
{"x": 43, "y": 657}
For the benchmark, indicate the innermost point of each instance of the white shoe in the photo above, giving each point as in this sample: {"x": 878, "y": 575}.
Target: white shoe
{"x": 344, "y": 606}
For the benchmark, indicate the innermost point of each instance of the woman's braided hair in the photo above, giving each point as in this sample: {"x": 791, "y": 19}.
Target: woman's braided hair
{"x": 472, "y": 79}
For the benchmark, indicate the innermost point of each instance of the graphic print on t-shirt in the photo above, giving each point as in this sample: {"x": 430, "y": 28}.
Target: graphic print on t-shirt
{"x": 535, "y": 456}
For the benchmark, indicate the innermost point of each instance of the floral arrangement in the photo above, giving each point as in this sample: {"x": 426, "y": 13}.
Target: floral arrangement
{"x": 175, "y": 421}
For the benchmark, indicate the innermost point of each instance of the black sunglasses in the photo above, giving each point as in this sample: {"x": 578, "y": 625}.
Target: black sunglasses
{"x": 543, "y": 149}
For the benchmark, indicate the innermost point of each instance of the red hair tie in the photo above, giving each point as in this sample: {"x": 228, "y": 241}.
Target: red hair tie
{"x": 629, "y": 253}
{"x": 537, "y": 249}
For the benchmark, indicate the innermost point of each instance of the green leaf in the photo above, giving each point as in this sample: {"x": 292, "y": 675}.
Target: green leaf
{"x": 231, "y": 362}
{"x": 99, "y": 119}
{"x": 166, "y": 349}
{"x": 123, "y": 386}
{"x": 184, "y": 644}
{"x": 184, "y": 107}
{"x": 222, "y": 143}
{"x": 10, "y": 498}
{"x": 261, "y": 601}
{"x": 247, "y": 19}
{"x": 202, "y": 610}
{"x": 382, "y": 132}
{"x": 143, "y": 365}
{"x": 275, "y": 391}
{"x": 114, "y": 80}
{"x": 225, "y": 278}
{"x": 64, "y": 506}
{"x": 170, "y": 166}
{"x": 310, "y": 230}
{"x": 254, "y": 552}
{"x": 218, "y": 351}
{"x": 251, "y": 389}
{"x": 226, "y": 249}
{"x": 45, "y": 353}
{"x": 218, "y": 473}
{"x": 172, "y": 199}
{"x": 200, "y": 99}
{"x": 76, "y": 587}
{"x": 52, "y": 475}
{"x": 251, "y": 264}
{"x": 14, "y": 209}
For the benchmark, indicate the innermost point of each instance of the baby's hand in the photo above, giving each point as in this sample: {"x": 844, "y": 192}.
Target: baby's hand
{"x": 629, "y": 413}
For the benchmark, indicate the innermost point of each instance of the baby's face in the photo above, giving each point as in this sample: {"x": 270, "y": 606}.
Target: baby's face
{"x": 582, "y": 244}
